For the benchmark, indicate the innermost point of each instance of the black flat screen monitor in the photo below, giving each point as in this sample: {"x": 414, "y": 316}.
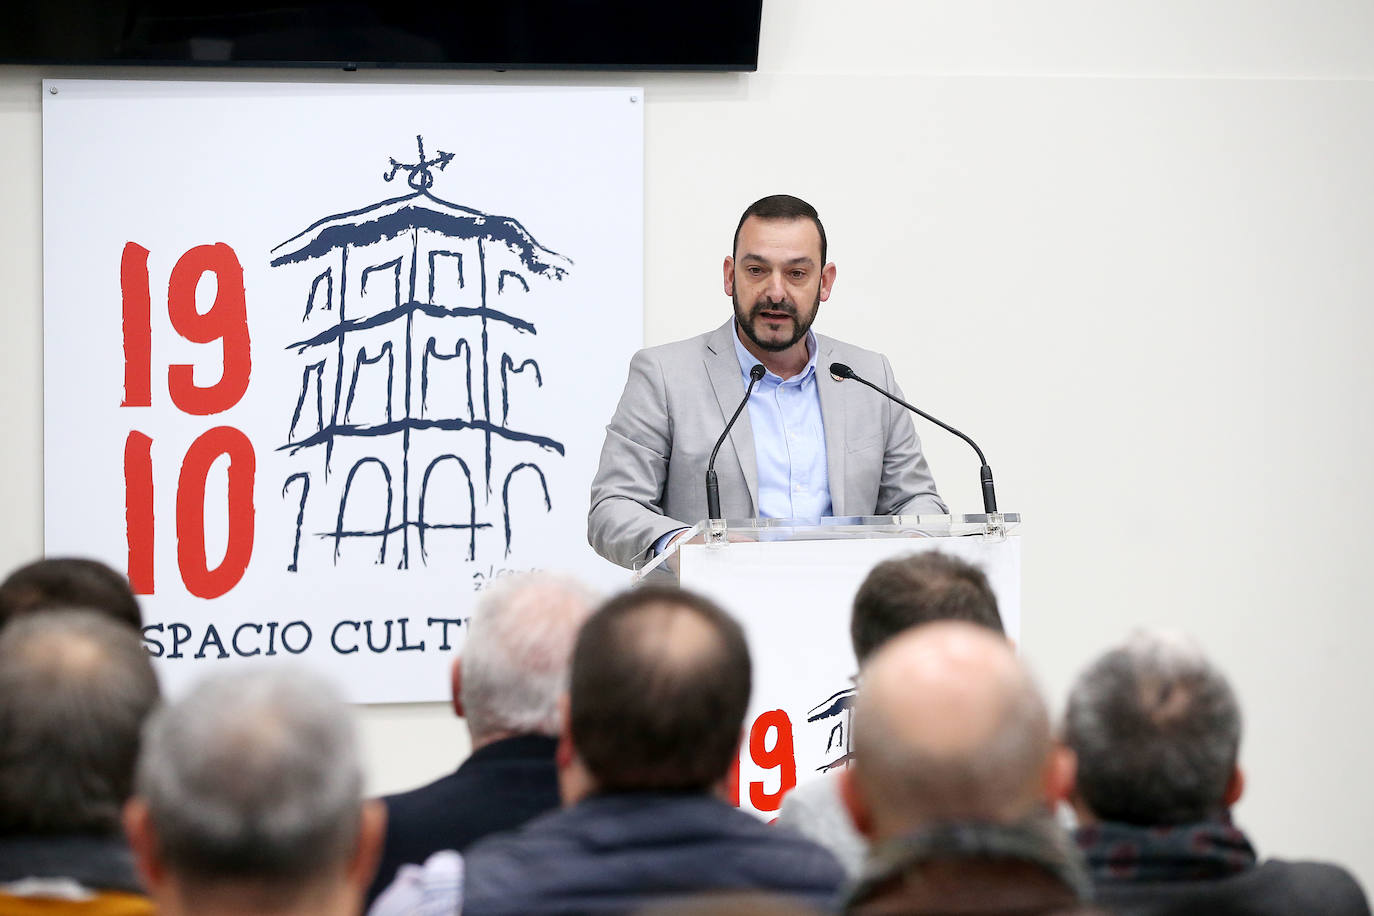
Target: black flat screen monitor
{"x": 491, "y": 35}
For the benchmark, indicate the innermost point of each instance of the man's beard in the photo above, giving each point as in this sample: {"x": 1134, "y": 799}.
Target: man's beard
{"x": 746, "y": 323}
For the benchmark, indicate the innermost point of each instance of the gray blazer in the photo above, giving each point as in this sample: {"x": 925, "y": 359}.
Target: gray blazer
{"x": 652, "y": 476}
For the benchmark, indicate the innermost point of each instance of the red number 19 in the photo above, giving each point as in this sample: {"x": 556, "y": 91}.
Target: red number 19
{"x": 781, "y": 756}
{"x": 225, "y": 321}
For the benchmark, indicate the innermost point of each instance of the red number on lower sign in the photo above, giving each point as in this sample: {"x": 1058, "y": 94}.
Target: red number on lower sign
{"x": 781, "y": 757}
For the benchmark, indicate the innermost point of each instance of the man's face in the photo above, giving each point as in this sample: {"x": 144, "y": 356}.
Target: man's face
{"x": 776, "y": 280}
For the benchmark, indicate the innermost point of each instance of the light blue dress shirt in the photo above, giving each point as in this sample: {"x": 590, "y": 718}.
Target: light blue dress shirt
{"x": 789, "y": 440}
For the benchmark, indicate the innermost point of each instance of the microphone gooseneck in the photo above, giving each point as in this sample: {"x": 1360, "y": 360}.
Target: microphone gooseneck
{"x": 712, "y": 484}
{"x": 840, "y": 372}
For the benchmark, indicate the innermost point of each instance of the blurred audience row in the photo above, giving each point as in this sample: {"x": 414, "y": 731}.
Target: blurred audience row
{"x": 605, "y": 735}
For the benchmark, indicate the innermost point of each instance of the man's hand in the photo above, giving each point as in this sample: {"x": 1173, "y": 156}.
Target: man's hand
{"x": 671, "y": 547}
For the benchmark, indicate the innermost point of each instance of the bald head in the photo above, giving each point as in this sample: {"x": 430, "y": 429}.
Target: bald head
{"x": 948, "y": 726}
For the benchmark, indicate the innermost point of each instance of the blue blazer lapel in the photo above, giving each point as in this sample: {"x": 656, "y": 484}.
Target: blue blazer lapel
{"x": 722, "y": 367}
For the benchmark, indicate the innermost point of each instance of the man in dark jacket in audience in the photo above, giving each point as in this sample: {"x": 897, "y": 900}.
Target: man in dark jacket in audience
{"x": 660, "y": 683}
{"x": 507, "y": 686}
{"x": 954, "y": 772}
{"x": 1156, "y": 731}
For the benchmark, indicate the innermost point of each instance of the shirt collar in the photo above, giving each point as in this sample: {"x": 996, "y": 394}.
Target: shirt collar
{"x": 747, "y": 359}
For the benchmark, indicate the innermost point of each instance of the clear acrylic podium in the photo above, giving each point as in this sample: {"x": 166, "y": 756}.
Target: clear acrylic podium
{"x": 790, "y": 584}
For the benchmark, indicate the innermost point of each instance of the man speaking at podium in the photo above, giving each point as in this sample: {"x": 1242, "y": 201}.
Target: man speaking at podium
{"x": 808, "y": 446}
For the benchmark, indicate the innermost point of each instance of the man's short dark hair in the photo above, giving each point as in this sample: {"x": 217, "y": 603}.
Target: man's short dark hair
{"x": 70, "y": 582}
{"x": 660, "y": 685}
{"x": 781, "y": 206}
{"x": 75, "y": 688}
{"x": 919, "y": 588}
{"x": 1156, "y": 729}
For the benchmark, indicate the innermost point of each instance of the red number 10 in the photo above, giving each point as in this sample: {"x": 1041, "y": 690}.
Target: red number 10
{"x": 225, "y": 321}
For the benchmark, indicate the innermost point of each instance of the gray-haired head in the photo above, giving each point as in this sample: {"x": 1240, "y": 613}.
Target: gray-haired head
{"x": 1156, "y": 729}
{"x": 949, "y": 726}
{"x": 518, "y": 649}
{"x": 253, "y": 777}
{"x": 75, "y": 689}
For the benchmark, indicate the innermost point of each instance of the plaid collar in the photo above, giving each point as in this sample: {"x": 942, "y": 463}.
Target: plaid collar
{"x": 1185, "y": 852}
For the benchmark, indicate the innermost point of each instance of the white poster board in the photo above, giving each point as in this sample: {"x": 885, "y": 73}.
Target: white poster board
{"x": 793, "y": 599}
{"x": 319, "y": 361}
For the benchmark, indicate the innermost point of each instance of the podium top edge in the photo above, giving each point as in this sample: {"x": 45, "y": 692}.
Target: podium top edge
{"x": 866, "y": 521}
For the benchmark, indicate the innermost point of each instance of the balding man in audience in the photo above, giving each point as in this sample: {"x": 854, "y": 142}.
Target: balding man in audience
{"x": 507, "y": 685}
{"x": 249, "y": 800}
{"x": 69, "y": 582}
{"x": 75, "y": 688}
{"x": 1156, "y": 730}
{"x": 953, "y": 777}
{"x": 660, "y": 683}
{"x": 896, "y": 594}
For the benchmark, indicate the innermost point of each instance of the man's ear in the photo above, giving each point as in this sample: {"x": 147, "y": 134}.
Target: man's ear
{"x": 575, "y": 781}
{"x": 729, "y": 275}
{"x": 727, "y": 788}
{"x": 371, "y": 839}
{"x": 1061, "y": 775}
{"x": 852, "y": 799}
{"x": 827, "y": 280}
{"x": 457, "y": 677}
{"x": 1235, "y": 786}
{"x": 138, "y": 829}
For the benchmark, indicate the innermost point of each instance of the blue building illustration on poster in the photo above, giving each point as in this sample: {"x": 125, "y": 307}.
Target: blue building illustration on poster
{"x": 414, "y": 363}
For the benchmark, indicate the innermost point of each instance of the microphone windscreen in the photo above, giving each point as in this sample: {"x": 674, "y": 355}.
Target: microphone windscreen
{"x": 840, "y": 372}
{"x": 756, "y": 373}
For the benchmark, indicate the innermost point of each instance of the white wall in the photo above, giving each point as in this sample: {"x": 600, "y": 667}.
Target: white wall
{"x": 1125, "y": 245}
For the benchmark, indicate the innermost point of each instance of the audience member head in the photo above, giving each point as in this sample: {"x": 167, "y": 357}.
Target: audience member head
{"x": 1156, "y": 730}
{"x": 948, "y": 727}
{"x": 514, "y": 666}
{"x": 660, "y": 684}
{"x": 69, "y": 582}
{"x": 919, "y": 588}
{"x": 75, "y": 688}
{"x": 249, "y": 797}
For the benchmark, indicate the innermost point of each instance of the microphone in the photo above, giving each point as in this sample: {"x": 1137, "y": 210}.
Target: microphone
{"x": 840, "y": 372}
{"x": 713, "y": 485}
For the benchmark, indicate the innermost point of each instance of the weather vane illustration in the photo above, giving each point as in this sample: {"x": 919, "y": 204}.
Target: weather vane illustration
{"x": 406, "y": 433}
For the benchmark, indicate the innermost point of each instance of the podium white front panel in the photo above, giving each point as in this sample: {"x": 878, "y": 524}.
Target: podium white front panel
{"x": 793, "y": 599}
